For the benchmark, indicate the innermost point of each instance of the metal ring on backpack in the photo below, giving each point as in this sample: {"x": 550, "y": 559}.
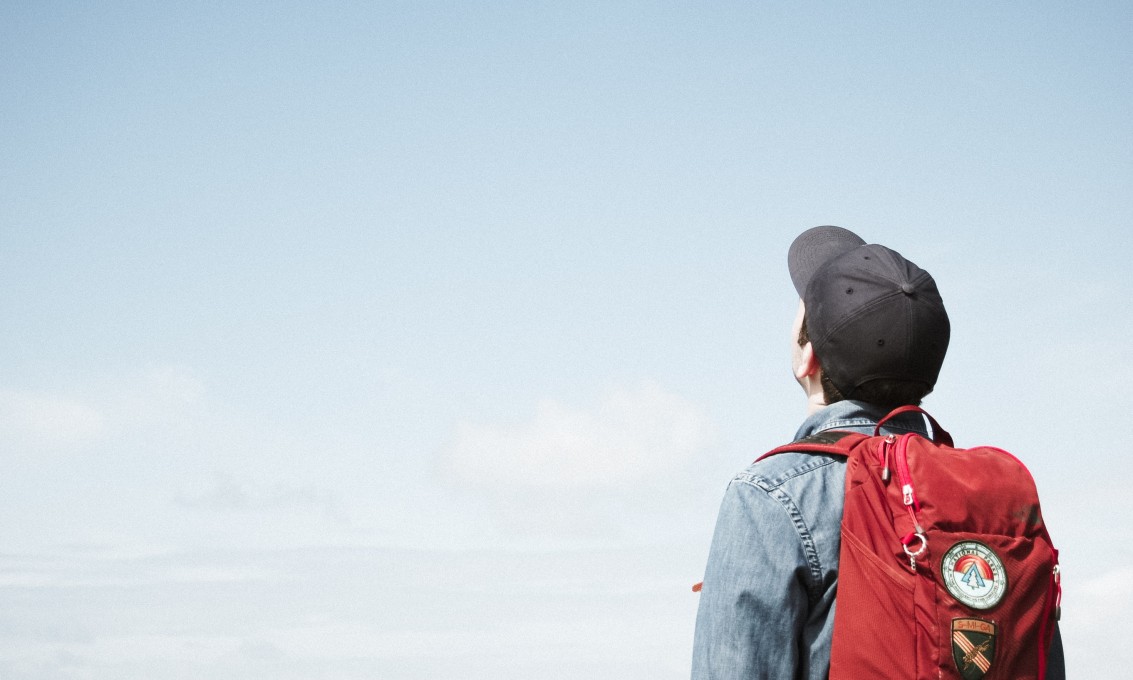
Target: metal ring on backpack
{"x": 920, "y": 550}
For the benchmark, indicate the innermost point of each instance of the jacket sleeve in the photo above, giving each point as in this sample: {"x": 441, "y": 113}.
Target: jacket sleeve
{"x": 754, "y": 602}
{"x": 1055, "y": 661}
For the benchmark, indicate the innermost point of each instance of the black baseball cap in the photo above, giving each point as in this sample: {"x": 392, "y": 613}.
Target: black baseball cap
{"x": 814, "y": 248}
{"x": 871, "y": 313}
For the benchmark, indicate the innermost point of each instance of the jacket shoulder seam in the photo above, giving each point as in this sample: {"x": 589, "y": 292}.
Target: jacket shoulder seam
{"x": 802, "y": 531}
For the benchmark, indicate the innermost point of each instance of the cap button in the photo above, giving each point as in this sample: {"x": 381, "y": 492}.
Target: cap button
{"x": 907, "y": 288}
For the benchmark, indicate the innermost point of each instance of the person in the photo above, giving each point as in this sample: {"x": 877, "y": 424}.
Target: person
{"x": 870, "y": 335}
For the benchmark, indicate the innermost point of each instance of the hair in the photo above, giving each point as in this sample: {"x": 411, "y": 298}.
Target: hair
{"x": 887, "y": 394}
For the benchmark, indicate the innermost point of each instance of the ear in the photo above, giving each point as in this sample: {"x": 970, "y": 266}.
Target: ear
{"x": 808, "y": 363}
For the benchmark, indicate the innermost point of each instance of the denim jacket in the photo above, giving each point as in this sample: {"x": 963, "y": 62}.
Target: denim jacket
{"x": 767, "y": 604}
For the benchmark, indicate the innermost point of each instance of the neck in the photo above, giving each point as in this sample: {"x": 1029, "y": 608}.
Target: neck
{"x": 812, "y": 386}
{"x": 815, "y": 402}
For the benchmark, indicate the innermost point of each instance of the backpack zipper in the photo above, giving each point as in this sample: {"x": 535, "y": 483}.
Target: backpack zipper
{"x": 884, "y": 451}
{"x": 908, "y": 495}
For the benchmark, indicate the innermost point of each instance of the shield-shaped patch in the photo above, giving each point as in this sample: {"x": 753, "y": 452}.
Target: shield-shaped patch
{"x": 973, "y": 647}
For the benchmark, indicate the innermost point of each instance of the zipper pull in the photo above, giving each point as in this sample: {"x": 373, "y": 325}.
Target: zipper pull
{"x": 889, "y": 439}
{"x": 907, "y": 489}
{"x": 1058, "y": 591}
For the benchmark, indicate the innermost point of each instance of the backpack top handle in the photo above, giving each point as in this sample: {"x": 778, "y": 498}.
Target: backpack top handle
{"x": 939, "y": 434}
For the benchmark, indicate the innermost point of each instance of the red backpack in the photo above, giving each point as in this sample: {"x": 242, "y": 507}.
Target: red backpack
{"x": 946, "y": 569}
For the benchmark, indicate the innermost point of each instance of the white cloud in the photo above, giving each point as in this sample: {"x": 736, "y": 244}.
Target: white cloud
{"x": 630, "y": 434}
{"x": 226, "y": 492}
{"x": 162, "y": 395}
{"x": 37, "y": 420}
{"x": 158, "y": 398}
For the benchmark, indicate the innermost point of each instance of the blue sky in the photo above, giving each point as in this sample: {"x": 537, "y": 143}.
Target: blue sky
{"x": 419, "y": 340}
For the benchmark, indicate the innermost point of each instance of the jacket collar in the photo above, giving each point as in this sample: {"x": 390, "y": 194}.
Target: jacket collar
{"x": 859, "y": 417}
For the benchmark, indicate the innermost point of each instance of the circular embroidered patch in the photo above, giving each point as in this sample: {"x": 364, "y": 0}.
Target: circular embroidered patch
{"x": 974, "y": 574}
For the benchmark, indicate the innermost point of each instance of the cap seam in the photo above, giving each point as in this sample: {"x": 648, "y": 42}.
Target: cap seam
{"x": 864, "y": 308}
{"x": 875, "y": 302}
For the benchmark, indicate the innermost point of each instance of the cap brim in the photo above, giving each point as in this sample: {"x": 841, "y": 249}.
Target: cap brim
{"x": 815, "y": 247}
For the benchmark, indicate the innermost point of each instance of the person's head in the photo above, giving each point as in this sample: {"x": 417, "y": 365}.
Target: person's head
{"x": 871, "y": 326}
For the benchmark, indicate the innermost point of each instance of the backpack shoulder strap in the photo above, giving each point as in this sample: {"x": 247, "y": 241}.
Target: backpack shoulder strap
{"x": 836, "y": 442}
